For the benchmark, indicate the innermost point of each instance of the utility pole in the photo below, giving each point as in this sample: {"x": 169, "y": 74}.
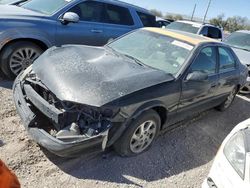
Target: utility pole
{"x": 208, "y": 6}
{"x": 193, "y": 12}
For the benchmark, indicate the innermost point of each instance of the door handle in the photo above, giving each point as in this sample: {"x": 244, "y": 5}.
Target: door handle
{"x": 96, "y": 31}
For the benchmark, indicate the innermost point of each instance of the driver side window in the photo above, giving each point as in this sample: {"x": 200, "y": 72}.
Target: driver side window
{"x": 205, "y": 61}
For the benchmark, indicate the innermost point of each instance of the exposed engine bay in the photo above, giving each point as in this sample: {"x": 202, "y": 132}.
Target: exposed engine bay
{"x": 73, "y": 121}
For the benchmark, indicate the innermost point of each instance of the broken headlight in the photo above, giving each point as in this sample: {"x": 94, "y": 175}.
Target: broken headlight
{"x": 235, "y": 153}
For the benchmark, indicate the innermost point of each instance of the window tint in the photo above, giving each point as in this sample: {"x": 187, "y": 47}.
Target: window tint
{"x": 214, "y": 33}
{"x": 118, "y": 15}
{"x": 205, "y": 61}
{"x": 147, "y": 19}
{"x": 204, "y": 31}
{"x": 89, "y": 11}
{"x": 227, "y": 60}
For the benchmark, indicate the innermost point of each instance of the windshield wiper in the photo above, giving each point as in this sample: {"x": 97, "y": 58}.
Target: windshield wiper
{"x": 135, "y": 59}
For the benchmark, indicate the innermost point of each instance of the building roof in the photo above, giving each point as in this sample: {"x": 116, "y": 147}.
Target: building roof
{"x": 184, "y": 36}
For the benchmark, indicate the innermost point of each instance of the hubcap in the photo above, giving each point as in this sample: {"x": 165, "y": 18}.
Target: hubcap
{"x": 22, "y": 58}
{"x": 230, "y": 98}
{"x": 143, "y": 136}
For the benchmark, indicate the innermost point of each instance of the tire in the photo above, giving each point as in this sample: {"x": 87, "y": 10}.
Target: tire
{"x": 18, "y": 56}
{"x": 227, "y": 103}
{"x": 133, "y": 142}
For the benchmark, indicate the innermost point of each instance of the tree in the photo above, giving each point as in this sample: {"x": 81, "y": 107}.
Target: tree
{"x": 156, "y": 13}
{"x": 173, "y": 17}
{"x": 219, "y": 21}
{"x": 231, "y": 24}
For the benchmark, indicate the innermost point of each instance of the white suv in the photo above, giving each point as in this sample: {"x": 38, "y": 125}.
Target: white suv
{"x": 204, "y": 29}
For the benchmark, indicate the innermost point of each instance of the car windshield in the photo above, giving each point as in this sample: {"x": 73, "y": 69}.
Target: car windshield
{"x": 154, "y": 50}
{"x": 239, "y": 40}
{"x": 45, "y": 6}
{"x": 190, "y": 28}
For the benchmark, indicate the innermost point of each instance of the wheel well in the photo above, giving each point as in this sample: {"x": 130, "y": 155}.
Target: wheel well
{"x": 162, "y": 112}
{"x": 41, "y": 44}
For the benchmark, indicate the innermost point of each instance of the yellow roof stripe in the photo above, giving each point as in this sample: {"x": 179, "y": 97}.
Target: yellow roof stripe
{"x": 179, "y": 36}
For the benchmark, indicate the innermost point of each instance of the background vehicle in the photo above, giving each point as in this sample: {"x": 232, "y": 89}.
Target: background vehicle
{"x": 124, "y": 93}
{"x": 28, "y": 30}
{"x": 240, "y": 43}
{"x": 11, "y": 2}
{"x": 204, "y": 29}
{"x": 162, "y": 22}
{"x": 231, "y": 167}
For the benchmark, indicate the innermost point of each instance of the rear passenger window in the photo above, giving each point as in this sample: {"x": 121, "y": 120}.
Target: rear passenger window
{"x": 214, "y": 33}
{"x": 227, "y": 61}
{"x": 205, "y": 61}
{"x": 118, "y": 15}
{"x": 147, "y": 19}
{"x": 91, "y": 11}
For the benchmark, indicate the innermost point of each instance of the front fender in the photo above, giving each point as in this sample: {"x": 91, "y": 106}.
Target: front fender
{"x": 146, "y": 106}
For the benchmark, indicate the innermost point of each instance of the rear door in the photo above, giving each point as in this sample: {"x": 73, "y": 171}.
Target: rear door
{"x": 228, "y": 71}
{"x": 197, "y": 96}
{"x": 117, "y": 21}
{"x": 147, "y": 20}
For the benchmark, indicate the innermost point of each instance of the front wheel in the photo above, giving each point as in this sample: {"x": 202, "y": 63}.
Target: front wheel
{"x": 227, "y": 103}
{"x": 18, "y": 56}
{"x": 140, "y": 134}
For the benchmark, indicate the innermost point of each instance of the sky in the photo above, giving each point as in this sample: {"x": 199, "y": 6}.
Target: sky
{"x": 185, "y": 7}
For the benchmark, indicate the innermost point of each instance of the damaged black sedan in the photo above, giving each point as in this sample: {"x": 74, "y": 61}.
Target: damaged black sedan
{"x": 76, "y": 99}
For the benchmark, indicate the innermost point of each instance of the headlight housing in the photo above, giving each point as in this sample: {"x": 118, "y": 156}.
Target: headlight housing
{"x": 235, "y": 152}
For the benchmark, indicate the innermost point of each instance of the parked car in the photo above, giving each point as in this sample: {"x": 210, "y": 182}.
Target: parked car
{"x": 204, "y": 29}
{"x": 76, "y": 98}
{"x": 11, "y": 2}
{"x": 162, "y": 22}
{"x": 28, "y": 30}
{"x": 240, "y": 43}
{"x": 231, "y": 166}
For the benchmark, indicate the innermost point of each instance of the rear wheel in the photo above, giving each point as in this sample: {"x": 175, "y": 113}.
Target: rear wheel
{"x": 18, "y": 56}
{"x": 227, "y": 103}
{"x": 140, "y": 134}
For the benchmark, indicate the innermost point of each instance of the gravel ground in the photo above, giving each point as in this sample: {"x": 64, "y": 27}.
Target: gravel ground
{"x": 179, "y": 158}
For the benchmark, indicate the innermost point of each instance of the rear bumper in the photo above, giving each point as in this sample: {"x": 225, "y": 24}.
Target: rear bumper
{"x": 56, "y": 146}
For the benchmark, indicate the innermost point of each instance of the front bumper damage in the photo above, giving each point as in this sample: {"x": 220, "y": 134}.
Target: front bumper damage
{"x": 32, "y": 108}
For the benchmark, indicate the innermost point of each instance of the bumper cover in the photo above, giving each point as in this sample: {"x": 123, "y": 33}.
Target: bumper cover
{"x": 56, "y": 146}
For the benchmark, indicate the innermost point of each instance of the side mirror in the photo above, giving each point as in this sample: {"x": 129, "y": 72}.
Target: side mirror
{"x": 110, "y": 40}
{"x": 197, "y": 76}
{"x": 70, "y": 17}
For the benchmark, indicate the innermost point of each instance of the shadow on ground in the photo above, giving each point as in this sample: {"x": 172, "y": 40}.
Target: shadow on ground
{"x": 193, "y": 144}
{"x": 4, "y": 82}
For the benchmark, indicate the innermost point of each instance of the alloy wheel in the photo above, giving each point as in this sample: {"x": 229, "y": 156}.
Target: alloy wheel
{"x": 143, "y": 136}
{"x": 22, "y": 58}
{"x": 230, "y": 98}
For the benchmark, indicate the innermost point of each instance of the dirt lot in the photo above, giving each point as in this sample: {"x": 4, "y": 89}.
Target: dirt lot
{"x": 180, "y": 158}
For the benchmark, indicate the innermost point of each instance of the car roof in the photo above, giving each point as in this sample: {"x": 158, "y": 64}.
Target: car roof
{"x": 124, "y": 4}
{"x": 184, "y": 36}
{"x": 197, "y": 24}
{"x": 244, "y": 31}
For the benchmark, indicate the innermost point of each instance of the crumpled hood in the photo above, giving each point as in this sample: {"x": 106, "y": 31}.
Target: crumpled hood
{"x": 10, "y": 11}
{"x": 243, "y": 55}
{"x": 93, "y": 75}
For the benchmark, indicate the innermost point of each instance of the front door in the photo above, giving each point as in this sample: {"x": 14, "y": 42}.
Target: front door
{"x": 89, "y": 30}
{"x": 197, "y": 96}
